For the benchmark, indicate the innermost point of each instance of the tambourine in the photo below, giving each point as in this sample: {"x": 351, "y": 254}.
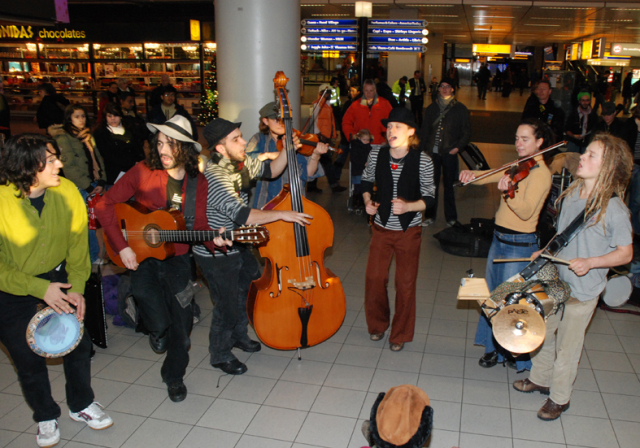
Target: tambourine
{"x": 53, "y": 335}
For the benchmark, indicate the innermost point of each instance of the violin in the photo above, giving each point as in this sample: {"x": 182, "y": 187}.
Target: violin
{"x": 518, "y": 173}
{"x": 309, "y": 143}
{"x": 517, "y": 165}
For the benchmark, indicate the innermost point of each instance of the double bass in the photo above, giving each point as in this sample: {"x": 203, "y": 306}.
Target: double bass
{"x": 297, "y": 302}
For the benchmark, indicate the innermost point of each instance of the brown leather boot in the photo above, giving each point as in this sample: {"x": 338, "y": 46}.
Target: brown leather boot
{"x": 550, "y": 410}
{"x": 527, "y": 386}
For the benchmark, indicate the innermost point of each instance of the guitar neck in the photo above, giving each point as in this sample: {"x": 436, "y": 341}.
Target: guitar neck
{"x": 187, "y": 236}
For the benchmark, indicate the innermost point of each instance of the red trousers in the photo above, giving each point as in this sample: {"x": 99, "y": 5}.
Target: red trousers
{"x": 406, "y": 247}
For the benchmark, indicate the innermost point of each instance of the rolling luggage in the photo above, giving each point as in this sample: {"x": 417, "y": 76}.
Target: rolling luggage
{"x": 473, "y": 158}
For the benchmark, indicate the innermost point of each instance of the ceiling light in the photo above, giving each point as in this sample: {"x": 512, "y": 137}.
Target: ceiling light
{"x": 539, "y": 24}
{"x": 551, "y": 18}
{"x": 566, "y": 7}
{"x": 494, "y": 17}
{"x": 439, "y": 15}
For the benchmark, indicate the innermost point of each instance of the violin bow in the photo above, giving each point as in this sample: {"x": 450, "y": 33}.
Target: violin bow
{"x": 510, "y": 164}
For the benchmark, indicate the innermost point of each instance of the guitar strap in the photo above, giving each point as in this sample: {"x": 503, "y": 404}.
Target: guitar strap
{"x": 189, "y": 210}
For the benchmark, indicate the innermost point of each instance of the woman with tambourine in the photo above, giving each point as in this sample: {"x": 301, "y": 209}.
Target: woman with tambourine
{"x": 516, "y": 221}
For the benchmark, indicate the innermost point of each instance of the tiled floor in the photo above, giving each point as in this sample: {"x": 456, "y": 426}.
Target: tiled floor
{"x": 322, "y": 400}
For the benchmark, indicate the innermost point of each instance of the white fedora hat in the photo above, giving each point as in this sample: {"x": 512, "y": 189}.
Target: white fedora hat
{"x": 178, "y": 127}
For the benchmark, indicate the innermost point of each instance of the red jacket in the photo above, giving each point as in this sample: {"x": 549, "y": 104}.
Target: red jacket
{"x": 149, "y": 189}
{"x": 359, "y": 116}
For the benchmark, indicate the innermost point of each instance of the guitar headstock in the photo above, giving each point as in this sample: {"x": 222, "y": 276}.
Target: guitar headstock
{"x": 251, "y": 234}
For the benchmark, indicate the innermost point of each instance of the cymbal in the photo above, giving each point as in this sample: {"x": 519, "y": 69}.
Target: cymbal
{"x": 519, "y": 328}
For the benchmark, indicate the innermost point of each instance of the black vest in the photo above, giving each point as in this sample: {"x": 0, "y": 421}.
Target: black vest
{"x": 408, "y": 184}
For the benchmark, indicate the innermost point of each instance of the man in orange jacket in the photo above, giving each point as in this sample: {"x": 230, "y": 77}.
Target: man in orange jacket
{"x": 368, "y": 113}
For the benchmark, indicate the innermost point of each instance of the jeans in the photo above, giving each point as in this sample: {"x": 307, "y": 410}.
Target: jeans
{"x": 498, "y": 273}
{"x": 155, "y": 284}
{"x": 17, "y": 311}
{"x": 448, "y": 164}
{"x": 634, "y": 198}
{"x": 229, "y": 278}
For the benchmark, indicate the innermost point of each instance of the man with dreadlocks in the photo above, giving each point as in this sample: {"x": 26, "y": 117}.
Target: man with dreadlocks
{"x": 606, "y": 241}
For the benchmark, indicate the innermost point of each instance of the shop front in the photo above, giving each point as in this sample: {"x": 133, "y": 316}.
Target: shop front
{"x": 81, "y": 61}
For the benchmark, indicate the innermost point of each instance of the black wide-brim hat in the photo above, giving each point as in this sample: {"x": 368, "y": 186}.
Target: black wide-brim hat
{"x": 416, "y": 441}
{"x": 401, "y": 115}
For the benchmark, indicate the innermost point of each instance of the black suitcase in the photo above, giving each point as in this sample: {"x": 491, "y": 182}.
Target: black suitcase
{"x": 467, "y": 240}
{"x": 473, "y": 158}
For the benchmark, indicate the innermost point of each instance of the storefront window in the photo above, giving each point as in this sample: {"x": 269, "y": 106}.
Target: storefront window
{"x": 18, "y": 51}
{"x": 172, "y": 51}
{"x": 117, "y": 51}
{"x": 64, "y": 51}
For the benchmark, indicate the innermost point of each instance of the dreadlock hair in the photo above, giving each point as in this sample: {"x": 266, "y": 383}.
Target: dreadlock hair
{"x": 614, "y": 175}
{"x": 23, "y": 157}
{"x": 183, "y": 152}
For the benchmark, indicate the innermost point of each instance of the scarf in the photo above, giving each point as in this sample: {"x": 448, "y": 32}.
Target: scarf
{"x": 584, "y": 118}
{"x": 237, "y": 171}
{"x": 95, "y": 172}
{"x": 169, "y": 111}
{"x": 443, "y": 103}
{"x": 118, "y": 130}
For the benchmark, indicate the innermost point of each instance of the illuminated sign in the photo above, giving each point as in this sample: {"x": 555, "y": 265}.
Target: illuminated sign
{"x": 396, "y": 31}
{"x": 320, "y": 47}
{"x": 397, "y": 40}
{"x": 329, "y": 30}
{"x": 575, "y": 52}
{"x": 329, "y": 22}
{"x": 597, "y": 48}
{"x": 493, "y": 49}
{"x": 418, "y": 23}
{"x": 340, "y": 39}
{"x": 14, "y": 32}
{"x": 194, "y": 27}
{"x": 622, "y": 49}
{"x": 408, "y": 48}
{"x": 610, "y": 62}
{"x": 587, "y": 46}
{"x": 331, "y": 54}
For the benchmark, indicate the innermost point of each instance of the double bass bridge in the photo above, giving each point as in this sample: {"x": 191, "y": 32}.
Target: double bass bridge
{"x": 306, "y": 284}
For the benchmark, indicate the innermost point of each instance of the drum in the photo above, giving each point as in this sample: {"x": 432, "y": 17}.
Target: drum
{"x": 52, "y": 335}
{"x": 617, "y": 291}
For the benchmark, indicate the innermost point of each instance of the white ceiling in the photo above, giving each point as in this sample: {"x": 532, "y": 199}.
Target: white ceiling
{"x": 505, "y": 21}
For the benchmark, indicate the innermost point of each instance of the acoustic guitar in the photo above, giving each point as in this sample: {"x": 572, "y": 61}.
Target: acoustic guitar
{"x": 152, "y": 234}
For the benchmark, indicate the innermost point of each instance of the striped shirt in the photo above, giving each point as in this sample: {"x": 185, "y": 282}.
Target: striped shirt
{"x": 227, "y": 204}
{"x": 427, "y": 188}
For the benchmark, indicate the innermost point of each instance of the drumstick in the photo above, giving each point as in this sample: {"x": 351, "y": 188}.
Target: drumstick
{"x": 515, "y": 260}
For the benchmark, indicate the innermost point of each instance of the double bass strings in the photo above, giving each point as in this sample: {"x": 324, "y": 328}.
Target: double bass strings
{"x": 300, "y": 233}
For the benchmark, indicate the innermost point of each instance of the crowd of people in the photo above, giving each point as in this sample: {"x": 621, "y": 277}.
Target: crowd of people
{"x": 403, "y": 151}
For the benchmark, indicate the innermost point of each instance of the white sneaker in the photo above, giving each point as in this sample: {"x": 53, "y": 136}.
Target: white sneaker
{"x": 48, "y": 433}
{"x": 427, "y": 222}
{"x": 93, "y": 415}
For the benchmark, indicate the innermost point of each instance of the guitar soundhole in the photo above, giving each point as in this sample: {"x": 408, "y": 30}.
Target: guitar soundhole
{"x": 152, "y": 236}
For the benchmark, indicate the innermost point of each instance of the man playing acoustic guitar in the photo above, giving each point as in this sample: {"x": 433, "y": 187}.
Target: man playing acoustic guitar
{"x": 162, "y": 181}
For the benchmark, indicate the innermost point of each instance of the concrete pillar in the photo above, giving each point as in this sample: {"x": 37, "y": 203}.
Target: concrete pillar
{"x": 432, "y": 59}
{"x": 402, "y": 64}
{"x": 255, "y": 39}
